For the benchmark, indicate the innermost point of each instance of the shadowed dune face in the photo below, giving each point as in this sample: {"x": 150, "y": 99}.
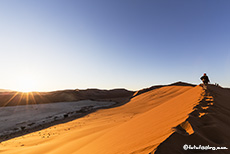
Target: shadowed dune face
{"x": 210, "y": 124}
{"x": 136, "y": 127}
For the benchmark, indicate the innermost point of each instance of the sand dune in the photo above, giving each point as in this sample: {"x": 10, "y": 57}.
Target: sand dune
{"x": 5, "y": 90}
{"x": 210, "y": 123}
{"x": 161, "y": 120}
{"x": 19, "y": 98}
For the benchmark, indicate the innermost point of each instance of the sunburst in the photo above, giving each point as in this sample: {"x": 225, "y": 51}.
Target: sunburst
{"x": 26, "y": 85}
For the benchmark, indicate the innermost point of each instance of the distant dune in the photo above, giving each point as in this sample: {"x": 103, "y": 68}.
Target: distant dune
{"x": 158, "y": 120}
{"x": 5, "y": 90}
{"x": 19, "y": 98}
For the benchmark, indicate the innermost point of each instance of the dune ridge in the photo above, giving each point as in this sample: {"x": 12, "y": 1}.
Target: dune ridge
{"x": 157, "y": 121}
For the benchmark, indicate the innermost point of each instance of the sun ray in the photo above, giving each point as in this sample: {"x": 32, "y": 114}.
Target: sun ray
{"x": 21, "y": 96}
{"x": 19, "y": 101}
{"x": 33, "y": 99}
{"x": 27, "y": 98}
{"x": 42, "y": 98}
{"x": 11, "y": 99}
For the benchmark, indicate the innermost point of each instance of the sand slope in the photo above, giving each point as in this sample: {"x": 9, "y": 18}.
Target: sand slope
{"x": 210, "y": 124}
{"x": 144, "y": 132}
{"x": 140, "y": 126}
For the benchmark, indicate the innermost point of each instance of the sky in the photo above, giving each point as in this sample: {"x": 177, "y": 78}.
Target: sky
{"x": 77, "y": 44}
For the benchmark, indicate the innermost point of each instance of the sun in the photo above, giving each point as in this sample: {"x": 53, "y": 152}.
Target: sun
{"x": 26, "y": 84}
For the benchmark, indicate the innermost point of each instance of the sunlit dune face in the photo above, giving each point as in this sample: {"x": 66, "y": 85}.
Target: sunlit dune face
{"x": 26, "y": 84}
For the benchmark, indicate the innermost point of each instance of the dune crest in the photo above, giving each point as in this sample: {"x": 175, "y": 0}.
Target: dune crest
{"x": 157, "y": 121}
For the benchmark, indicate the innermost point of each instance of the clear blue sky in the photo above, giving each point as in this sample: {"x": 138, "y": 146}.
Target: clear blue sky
{"x": 68, "y": 44}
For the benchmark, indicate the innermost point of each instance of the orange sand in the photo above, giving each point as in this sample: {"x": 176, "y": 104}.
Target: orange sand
{"x": 139, "y": 126}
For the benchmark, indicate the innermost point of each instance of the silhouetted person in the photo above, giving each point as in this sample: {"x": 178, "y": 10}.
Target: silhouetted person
{"x": 205, "y": 79}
